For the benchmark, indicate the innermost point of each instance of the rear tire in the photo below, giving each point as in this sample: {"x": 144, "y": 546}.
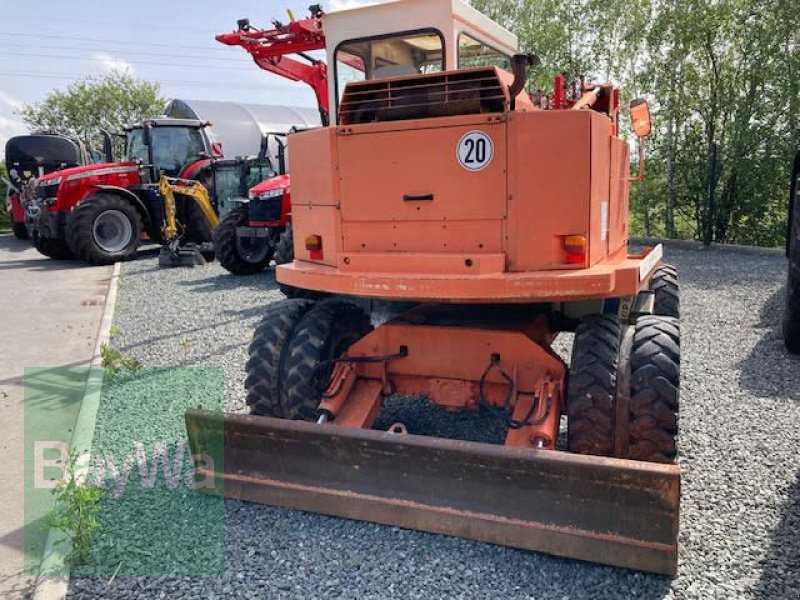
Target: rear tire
{"x": 104, "y": 229}
{"x": 53, "y": 248}
{"x": 266, "y": 352}
{"x": 791, "y": 314}
{"x": 664, "y": 284}
{"x": 20, "y": 231}
{"x": 324, "y": 333}
{"x": 284, "y": 254}
{"x": 284, "y": 250}
{"x": 592, "y": 388}
{"x": 229, "y": 251}
{"x": 655, "y": 390}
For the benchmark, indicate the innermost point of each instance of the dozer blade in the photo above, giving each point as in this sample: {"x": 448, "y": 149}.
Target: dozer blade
{"x": 612, "y": 511}
{"x": 180, "y": 257}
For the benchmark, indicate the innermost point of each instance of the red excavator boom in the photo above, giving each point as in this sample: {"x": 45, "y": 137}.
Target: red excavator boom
{"x": 270, "y": 49}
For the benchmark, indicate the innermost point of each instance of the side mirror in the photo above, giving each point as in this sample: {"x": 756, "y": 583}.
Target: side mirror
{"x": 640, "y": 121}
{"x": 216, "y": 149}
{"x": 640, "y": 118}
{"x": 108, "y": 148}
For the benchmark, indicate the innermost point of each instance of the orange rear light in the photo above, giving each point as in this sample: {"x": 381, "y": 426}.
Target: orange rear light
{"x": 314, "y": 246}
{"x": 575, "y": 246}
{"x": 314, "y": 242}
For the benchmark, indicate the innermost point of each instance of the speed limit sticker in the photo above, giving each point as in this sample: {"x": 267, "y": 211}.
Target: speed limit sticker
{"x": 475, "y": 150}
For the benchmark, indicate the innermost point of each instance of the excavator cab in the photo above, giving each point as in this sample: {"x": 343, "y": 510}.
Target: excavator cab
{"x": 500, "y": 216}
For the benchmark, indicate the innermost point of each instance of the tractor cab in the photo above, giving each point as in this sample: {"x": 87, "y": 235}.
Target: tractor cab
{"x": 234, "y": 177}
{"x": 171, "y": 147}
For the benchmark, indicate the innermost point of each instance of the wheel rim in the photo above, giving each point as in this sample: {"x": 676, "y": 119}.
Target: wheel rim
{"x": 112, "y": 231}
{"x": 252, "y": 250}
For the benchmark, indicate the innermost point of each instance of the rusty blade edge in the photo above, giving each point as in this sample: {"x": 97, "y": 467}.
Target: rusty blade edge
{"x": 298, "y": 487}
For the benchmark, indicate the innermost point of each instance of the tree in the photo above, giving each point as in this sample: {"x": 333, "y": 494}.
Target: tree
{"x": 88, "y": 106}
{"x": 723, "y": 81}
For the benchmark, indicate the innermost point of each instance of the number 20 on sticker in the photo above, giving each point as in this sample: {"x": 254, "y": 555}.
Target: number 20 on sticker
{"x": 475, "y": 150}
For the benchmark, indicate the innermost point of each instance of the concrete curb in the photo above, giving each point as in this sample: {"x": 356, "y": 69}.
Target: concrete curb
{"x": 692, "y": 245}
{"x": 55, "y": 587}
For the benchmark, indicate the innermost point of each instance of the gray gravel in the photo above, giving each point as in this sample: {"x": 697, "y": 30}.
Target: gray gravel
{"x": 740, "y": 521}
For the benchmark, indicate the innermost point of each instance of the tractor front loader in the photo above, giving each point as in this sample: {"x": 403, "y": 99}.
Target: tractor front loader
{"x": 502, "y": 216}
{"x": 260, "y": 229}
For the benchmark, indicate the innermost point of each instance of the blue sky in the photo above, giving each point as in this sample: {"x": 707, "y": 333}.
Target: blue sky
{"x": 171, "y": 42}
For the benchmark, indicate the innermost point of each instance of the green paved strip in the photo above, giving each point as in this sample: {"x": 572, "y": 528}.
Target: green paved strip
{"x": 154, "y": 522}
{"x": 52, "y": 402}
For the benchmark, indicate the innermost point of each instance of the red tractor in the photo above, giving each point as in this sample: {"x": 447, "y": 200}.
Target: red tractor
{"x": 32, "y": 156}
{"x": 100, "y": 212}
{"x": 260, "y": 229}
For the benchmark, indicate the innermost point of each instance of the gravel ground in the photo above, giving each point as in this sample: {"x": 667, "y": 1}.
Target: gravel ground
{"x": 740, "y": 521}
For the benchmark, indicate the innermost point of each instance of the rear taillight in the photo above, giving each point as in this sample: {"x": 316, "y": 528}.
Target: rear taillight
{"x": 575, "y": 247}
{"x": 314, "y": 246}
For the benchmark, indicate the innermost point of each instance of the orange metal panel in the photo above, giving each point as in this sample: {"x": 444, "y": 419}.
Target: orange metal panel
{"x": 316, "y": 220}
{"x": 460, "y": 353}
{"x": 616, "y": 278}
{"x": 549, "y": 185}
{"x": 442, "y": 264}
{"x": 483, "y": 236}
{"x": 315, "y": 179}
{"x": 416, "y": 163}
{"x": 620, "y": 172}
{"x": 600, "y": 179}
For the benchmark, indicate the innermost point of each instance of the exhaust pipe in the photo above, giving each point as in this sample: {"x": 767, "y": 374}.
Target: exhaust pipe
{"x": 519, "y": 67}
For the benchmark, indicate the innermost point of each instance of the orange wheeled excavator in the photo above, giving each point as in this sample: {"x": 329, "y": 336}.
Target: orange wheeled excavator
{"x": 502, "y": 215}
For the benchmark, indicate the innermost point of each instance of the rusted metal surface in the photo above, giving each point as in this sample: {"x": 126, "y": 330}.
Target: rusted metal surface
{"x": 611, "y": 511}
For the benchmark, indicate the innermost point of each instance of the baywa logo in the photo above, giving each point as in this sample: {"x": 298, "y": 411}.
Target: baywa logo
{"x": 195, "y": 471}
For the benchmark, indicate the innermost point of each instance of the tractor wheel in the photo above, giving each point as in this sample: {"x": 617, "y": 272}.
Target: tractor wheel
{"x": 324, "y": 333}
{"x": 664, "y": 284}
{"x": 791, "y": 314}
{"x": 654, "y": 390}
{"x": 52, "y": 248}
{"x": 241, "y": 256}
{"x": 592, "y": 387}
{"x": 104, "y": 229}
{"x": 20, "y": 231}
{"x": 284, "y": 251}
{"x": 266, "y": 352}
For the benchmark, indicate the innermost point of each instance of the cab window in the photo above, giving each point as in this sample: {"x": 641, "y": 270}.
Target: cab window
{"x": 136, "y": 148}
{"x": 474, "y": 53}
{"x": 175, "y": 148}
{"x": 389, "y": 56}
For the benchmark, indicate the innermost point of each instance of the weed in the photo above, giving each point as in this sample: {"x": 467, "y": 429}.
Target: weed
{"x": 75, "y": 512}
{"x": 186, "y": 346}
{"x": 114, "y": 331}
{"x": 114, "y": 361}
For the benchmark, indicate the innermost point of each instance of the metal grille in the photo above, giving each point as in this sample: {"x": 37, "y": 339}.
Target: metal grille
{"x": 268, "y": 209}
{"x": 44, "y": 190}
{"x": 467, "y": 92}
